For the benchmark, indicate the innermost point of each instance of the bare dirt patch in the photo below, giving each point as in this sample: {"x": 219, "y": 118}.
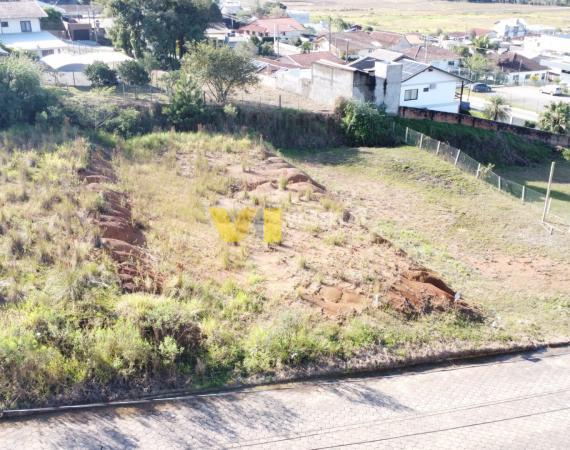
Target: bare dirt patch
{"x": 328, "y": 259}
{"x": 119, "y": 236}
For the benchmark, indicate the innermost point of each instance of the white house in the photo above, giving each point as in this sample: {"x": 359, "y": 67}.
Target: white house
{"x": 20, "y": 17}
{"x": 20, "y": 28}
{"x": 423, "y": 85}
{"x": 284, "y": 28}
{"x": 511, "y": 28}
{"x": 518, "y": 69}
{"x": 558, "y": 44}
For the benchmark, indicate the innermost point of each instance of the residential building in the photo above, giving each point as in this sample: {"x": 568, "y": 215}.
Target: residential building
{"x": 20, "y": 28}
{"x": 511, "y": 29}
{"x": 284, "y": 28}
{"x": 559, "y": 68}
{"x": 548, "y": 44}
{"x": 20, "y": 17}
{"x": 436, "y": 56}
{"x": 356, "y": 44}
{"x": 423, "y": 85}
{"x": 518, "y": 69}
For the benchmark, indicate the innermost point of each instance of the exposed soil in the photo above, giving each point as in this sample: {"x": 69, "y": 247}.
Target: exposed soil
{"x": 327, "y": 259}
{"x": 124, "y": 242}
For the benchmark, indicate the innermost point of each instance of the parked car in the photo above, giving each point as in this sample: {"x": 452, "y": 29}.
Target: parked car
{"x": 551, "y": 89}
{"x": 480, "y": 87}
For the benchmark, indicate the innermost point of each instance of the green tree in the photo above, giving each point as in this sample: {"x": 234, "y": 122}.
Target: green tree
{"x": 100, "y": 74}
{"x": 133, "y": 73}
{"x": 163, "y": 27}
{"x": 53, "y": 21}
{"x": 186, "y": 105}
{"x": 476, "y": 63}
{"x": 220, "y": 69}
{"x": 21, "y": 94}
{"x": 556, "y": 118}
{"x": 306, "y": 47}
{"x": 497, "y": 108}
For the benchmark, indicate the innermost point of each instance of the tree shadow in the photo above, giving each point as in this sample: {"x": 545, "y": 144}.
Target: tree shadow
{"x": 330, "y": 157}
{"x": 356, "y": 392}
{"x": 200, "y": 422}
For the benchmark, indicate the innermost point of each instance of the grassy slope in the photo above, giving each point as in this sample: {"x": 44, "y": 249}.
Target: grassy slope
{"x": 487, "y": 245}
{"x": 69, "y": 335}
{"x": 501, "y": 149}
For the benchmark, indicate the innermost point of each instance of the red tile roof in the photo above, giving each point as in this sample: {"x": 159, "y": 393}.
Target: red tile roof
{"x": 418, "y": 53}
{"x": 280, "y": 25}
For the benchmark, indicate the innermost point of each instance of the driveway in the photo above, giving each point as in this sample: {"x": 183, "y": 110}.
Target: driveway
{"x": 505, "y": 402}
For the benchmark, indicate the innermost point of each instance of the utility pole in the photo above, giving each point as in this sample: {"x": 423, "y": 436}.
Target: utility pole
{"x": 330, "y": 33}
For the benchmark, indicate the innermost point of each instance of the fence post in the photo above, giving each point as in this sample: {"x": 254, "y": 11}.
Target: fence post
{"x": 421, "y": 141}
{"x": 457, "y": 157}
{"x": 523, "y": 194}
{"x": 478, "y": 170}
{"x": 545, "y": 212}
{"x": 499, "y": 182}
{"x": 279, "y": 101}
{"x": 438, "y": 147}
{"x": 406, "y": 138}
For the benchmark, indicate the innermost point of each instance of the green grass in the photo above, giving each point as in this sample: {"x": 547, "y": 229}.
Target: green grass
{"x": 487, "y": 147}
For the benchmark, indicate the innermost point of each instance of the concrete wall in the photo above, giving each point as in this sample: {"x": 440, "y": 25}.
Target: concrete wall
{"x": 528, "y": 133}
{"x": 330, "y": 83}
{"x": 14, "y": 26}
{"x": 388, "y": 86}
{"x": 436, "y": 91}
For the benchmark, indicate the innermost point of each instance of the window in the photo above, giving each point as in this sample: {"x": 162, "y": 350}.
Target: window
{"x": 4, "y": 24}
{"x": 410, "y": 94}
{"x": 432, "y": 86}
{"x": 426, "y": 89}
{"x": 451, "y": 63}
{"x": 26, "y": 26}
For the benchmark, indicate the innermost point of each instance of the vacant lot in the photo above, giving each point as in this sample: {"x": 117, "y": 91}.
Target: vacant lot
{"x": 114, "y": 279}
{"x": 428, "y": 16}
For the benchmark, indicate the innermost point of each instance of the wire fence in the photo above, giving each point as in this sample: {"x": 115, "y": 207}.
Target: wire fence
{"x": 557, "y": 214}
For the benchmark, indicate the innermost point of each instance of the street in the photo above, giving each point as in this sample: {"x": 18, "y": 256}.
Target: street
{"x": 526, "y": 102}
{"x": 517, "y": 401}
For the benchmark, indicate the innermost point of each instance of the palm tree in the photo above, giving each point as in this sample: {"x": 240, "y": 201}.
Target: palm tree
{"x": 556, "y": 118}
{"x": 497, "y": 109}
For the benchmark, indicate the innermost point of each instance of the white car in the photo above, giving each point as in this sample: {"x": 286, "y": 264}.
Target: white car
{"x": 551, "y": 89}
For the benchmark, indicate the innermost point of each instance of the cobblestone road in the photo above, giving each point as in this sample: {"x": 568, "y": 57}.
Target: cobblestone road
{"x": 508, "y": 402}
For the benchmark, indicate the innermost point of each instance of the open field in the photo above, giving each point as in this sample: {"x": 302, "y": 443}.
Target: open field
{"x": 428, "y": 16}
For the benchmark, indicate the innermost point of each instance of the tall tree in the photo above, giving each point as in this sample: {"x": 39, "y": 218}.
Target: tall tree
{"x": 163, "y": 27}
{"x": 220, "y": 69}
{"x": 556, "y": 118}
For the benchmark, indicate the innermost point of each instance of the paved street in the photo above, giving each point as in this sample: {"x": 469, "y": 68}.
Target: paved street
{"x": 508, "y": 402}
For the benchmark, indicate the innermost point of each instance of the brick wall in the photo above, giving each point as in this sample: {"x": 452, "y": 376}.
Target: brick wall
{"x": 475, "y": 122}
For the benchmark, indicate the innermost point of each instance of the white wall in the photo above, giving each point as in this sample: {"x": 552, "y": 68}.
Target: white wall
{"x": 438, "y": 98}
{"x": 14, "y": 26}
{"x": 444, "y": 64}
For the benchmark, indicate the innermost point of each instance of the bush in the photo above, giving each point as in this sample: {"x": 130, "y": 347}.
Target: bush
{"x": 364, "y": 124}
{"x": 133, "y": 73}
{"x": 100, "y": 74}
{"x": 22, "y": 96}
{"x": 186, "y": 106}
{"x": 129, "y": 122}
{"x": 158, "y": 318}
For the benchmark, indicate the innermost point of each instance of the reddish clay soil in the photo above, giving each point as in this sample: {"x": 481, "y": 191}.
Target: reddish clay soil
{"x": 363, "y": 271}
{"x": 124, "y": 242}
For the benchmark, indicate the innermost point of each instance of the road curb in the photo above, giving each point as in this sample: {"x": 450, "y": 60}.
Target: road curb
{"x": 451, "y": 358}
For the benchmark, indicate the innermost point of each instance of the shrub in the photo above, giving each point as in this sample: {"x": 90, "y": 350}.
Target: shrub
{"x": 133, "y": 73}
{"x": 186, "y": 106}
{"x": 129, "y": 122}
{"x": 290, "y": 339}
{"x": 364, "y": 124}
{"x": 160, "y": 317}
{"x": 100, "y": 74}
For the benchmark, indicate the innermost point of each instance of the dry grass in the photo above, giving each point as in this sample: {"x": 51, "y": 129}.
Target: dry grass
{"x": 428, "y": 16}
